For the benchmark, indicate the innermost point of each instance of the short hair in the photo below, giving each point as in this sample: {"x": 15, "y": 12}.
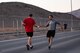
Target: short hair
{"x": 51, "y": 16}
{"x": 30, "y": 15}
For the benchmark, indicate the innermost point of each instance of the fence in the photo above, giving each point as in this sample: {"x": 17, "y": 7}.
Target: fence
{"x": 16, "y": 25}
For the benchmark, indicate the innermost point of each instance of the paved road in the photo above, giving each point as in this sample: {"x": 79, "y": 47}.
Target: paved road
{"x": 66, "y": 42}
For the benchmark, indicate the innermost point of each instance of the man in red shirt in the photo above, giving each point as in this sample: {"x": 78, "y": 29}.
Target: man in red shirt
{"x": 29, "y": 23}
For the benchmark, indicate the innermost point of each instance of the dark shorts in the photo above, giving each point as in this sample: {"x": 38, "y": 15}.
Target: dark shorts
{"x": 51, "y": 33}
{"x": 29, "y": 34}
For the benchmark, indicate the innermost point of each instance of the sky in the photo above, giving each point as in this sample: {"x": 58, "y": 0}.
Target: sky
{"x": 52, "y": 5}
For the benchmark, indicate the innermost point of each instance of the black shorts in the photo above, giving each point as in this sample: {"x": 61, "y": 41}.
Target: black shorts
{"x": 29, "y": 34}
{"x": 51, "y": 33}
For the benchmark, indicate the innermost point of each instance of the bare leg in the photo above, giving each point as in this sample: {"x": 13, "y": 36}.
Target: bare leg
{"x": 50, "y": 41}
{"x": 30, "y": 41}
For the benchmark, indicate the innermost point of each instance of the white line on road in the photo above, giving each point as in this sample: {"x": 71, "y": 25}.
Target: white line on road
{"x": 35, "y": 36}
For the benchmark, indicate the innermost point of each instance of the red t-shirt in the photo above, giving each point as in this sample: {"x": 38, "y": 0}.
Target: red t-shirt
{"x": 29, "y": 23}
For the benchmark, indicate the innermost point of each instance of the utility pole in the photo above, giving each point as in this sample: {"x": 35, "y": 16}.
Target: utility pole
{"x": 71, "y": 17}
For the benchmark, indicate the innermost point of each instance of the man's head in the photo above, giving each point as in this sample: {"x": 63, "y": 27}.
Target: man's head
{"x": 30, "y": 15}
{"x": 50, "y": 17}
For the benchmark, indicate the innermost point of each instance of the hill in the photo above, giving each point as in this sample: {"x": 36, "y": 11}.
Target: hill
{"x": 21, "y": 9}
{"x": 76, "y": 13}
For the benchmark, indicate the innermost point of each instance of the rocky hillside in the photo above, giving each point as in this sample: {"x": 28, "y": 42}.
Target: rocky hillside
{"x": 21, "y": 9}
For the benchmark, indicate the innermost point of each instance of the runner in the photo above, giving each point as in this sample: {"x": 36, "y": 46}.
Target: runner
{"x": 28, "y": 23}
{"x": 51, "y": 29}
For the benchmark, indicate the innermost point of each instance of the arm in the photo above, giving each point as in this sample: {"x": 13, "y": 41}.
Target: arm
{"x": 36, "y": 25}
{"x": 46, "y": 25}
{"x": 23, "y": 24}
{"x": 61, "y": 27}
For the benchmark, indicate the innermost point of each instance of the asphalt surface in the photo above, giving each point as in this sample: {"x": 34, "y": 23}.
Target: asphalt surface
{"x": 66, "y": 42}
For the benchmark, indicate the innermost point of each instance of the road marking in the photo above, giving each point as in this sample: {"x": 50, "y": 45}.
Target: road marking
{"x": 35, "y": 36}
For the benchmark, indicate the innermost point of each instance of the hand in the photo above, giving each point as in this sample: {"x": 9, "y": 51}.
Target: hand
{"x": 38, "y": 26}
{"x": 61, "y": 29}
{"x": 23, "y": 24}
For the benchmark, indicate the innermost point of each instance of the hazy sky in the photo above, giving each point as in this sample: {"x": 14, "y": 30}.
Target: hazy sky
{"x": 52, "y": 5}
